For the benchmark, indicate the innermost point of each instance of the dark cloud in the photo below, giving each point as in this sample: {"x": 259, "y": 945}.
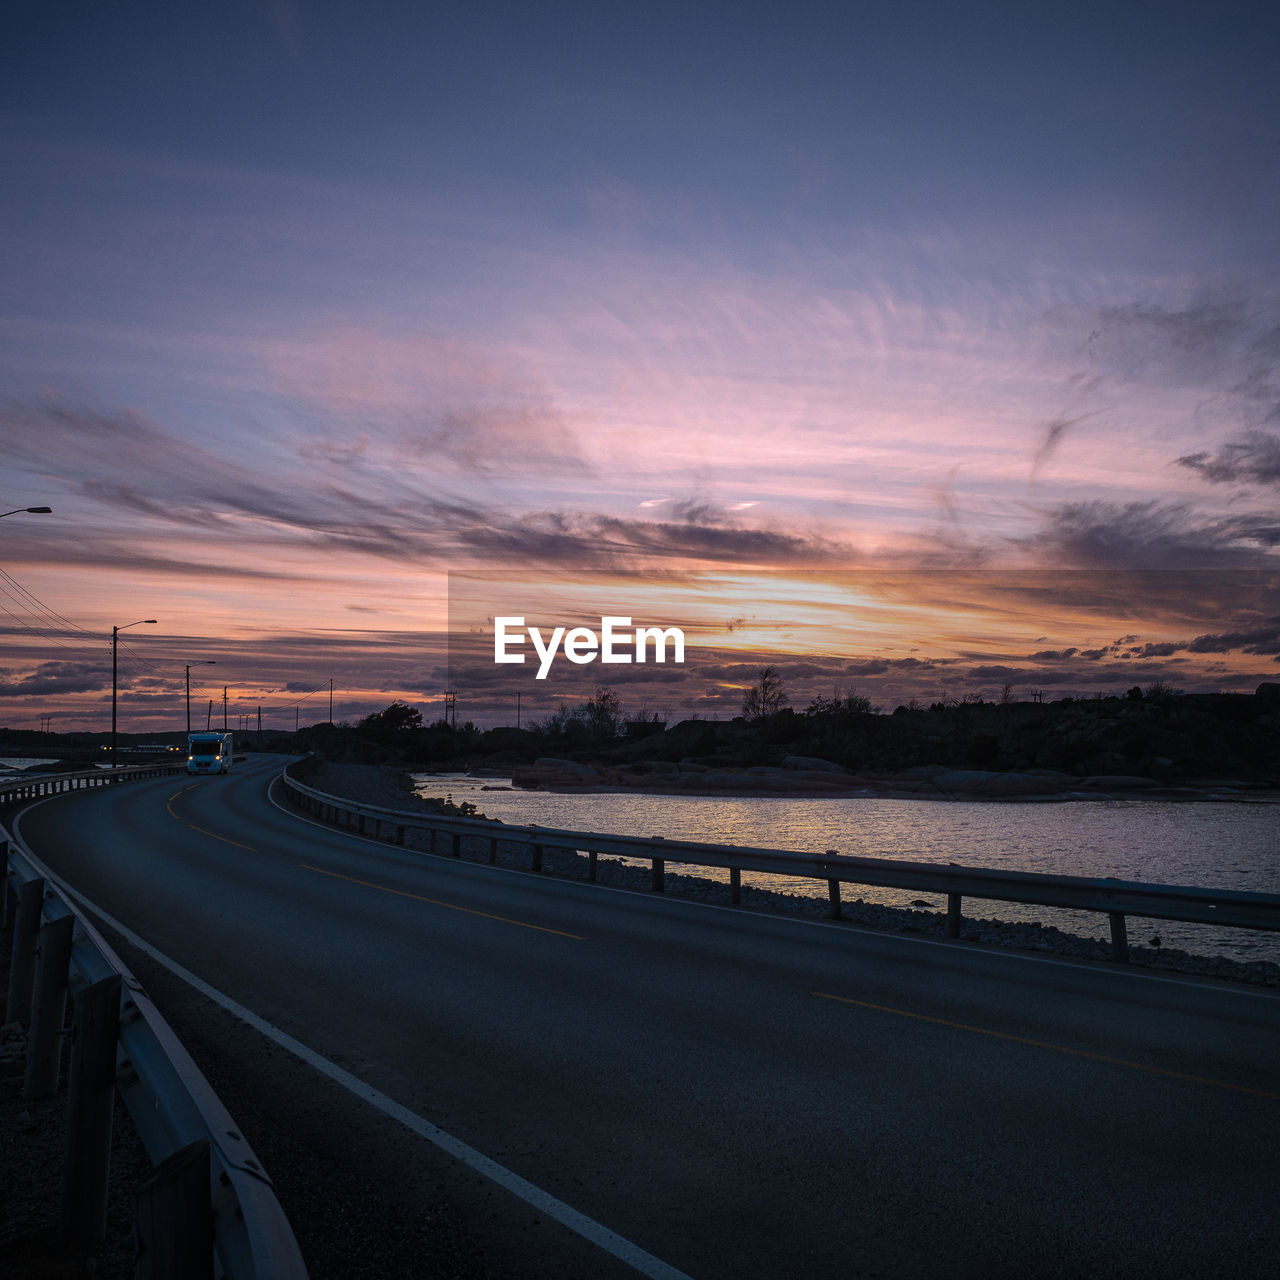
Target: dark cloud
{"x": 1254, "y": 460}
{"x": 1260, "y": 640}
{"x": 597, "y": 541}
{"x": 1148, "y": 535}
{"x": 52, "y": 678}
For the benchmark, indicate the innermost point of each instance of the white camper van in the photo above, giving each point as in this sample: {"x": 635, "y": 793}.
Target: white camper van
{"x": 208, "y": 752}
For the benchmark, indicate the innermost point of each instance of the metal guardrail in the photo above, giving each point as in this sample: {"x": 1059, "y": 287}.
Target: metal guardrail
{"x": 37, "y": 786}
{"x": 209, "y": 1197}
{"x": 1117, "y": 899}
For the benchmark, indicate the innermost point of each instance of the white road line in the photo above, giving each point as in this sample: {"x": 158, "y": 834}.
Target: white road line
{"x": 590, "y": 1230}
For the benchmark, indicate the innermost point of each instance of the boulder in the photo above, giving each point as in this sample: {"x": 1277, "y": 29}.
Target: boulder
{"x": 811, "y": 762}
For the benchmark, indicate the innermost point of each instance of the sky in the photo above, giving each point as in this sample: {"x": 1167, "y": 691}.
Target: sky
{"x": 305, "y": 307}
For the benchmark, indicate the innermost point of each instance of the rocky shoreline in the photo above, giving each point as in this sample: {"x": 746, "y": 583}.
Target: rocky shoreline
{"x": 387, "y": 787}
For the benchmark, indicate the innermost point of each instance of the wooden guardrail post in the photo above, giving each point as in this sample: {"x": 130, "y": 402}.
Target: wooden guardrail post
{"x": 658, "y": 881}
{"x": 493, "y": 850}
{"x": 592, "y": 858}
{"x": 90, "y": 1102}
{"x": 537, "y": 857}
{"x": 173, "y": 1218}
{"x": 735, "y": 885}
{"x": 455, "y": 844}
{"x": 22, "y": 965}
{"x": 1119, "y": 937}
{"x": 954, "y": 918}
{"x": 48, "y": 1009}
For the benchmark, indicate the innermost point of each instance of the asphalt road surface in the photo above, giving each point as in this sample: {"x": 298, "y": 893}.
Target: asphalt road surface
{"x": 735, "y": 1096}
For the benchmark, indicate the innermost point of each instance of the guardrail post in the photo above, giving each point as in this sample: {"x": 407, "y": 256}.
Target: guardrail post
{"x": 537, "y": 857}
{"x": 493, "y": 850}
{"x": 48, "y": 1009}
{"x": 735, "y": 885}
{"x": 954, "y": 918}
{"x": 360, "y": 823}
{"x": 399, "y": 835}
{"x": 91, "y": 1099}
{"x": 173, "y": 1218}
{"x": 833, "y": 891}
{"x": 1119, "y": 938}
{"x": 658, "y": 881}
{"x": 592, "y": 858}
{"x": 455, "y": 844}
{"x": 22, "y": 964}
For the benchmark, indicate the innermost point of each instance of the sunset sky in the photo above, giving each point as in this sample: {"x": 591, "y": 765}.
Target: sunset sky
{"x": 305, "y": 305}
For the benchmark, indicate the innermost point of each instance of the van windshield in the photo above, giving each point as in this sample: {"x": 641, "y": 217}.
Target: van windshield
{"x": 206, "y": 748}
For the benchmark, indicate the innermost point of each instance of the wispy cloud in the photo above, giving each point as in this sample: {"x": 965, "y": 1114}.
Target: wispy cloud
{"x": 1252, "y": 460}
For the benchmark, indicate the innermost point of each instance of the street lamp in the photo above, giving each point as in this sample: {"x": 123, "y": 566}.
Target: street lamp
{"x": 34, "y": 511}
{"x": 115, "y": 645}
{"x": 207, "y": 662}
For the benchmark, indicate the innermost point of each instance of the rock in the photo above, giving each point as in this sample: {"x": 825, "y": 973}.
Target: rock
{"x": 584, "y": 771}
{"x": 1117, "y": 782}
{"x": 811, "y": 762}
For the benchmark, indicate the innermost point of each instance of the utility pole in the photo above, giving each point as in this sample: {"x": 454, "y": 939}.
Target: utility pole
{"x": 224, "y": 708}
{"x": 295, "y": 719}
{"x": 259, "y": 726}
{"x": 330, "y": 699}
{"x": 115, "y": 646}
{"x": 517, "y": 708}
{"x": 208, "y": 716}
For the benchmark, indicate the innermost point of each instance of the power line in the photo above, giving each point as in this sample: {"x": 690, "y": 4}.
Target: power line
{"x": 40, "y": 604}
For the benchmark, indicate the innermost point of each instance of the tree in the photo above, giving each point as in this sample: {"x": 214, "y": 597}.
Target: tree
{"x": 391, "y": 724}
{"x": 765, "y": 697}
{"x": 602, "y": 714}
{"x": 597, "y": 722}
{"x": 840, "y": 706}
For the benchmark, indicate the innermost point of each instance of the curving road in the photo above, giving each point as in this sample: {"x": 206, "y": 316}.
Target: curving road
{"x": 736, "y": 1096}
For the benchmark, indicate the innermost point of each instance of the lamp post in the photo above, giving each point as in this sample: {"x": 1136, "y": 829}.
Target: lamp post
{"x": 115, "y": 646}
{"x": 32, "y": 511}
{"x": 207, "y": 662}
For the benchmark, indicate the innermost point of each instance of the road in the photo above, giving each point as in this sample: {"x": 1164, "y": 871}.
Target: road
{"x": 737, "y": 1096}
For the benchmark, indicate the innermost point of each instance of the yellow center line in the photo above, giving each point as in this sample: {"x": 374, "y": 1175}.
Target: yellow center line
{"x": 213, "y": 835}
{"x": 435, "y": 902}
{"x": 182, "y": 791}
{"x": 1056, "y": 1048}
